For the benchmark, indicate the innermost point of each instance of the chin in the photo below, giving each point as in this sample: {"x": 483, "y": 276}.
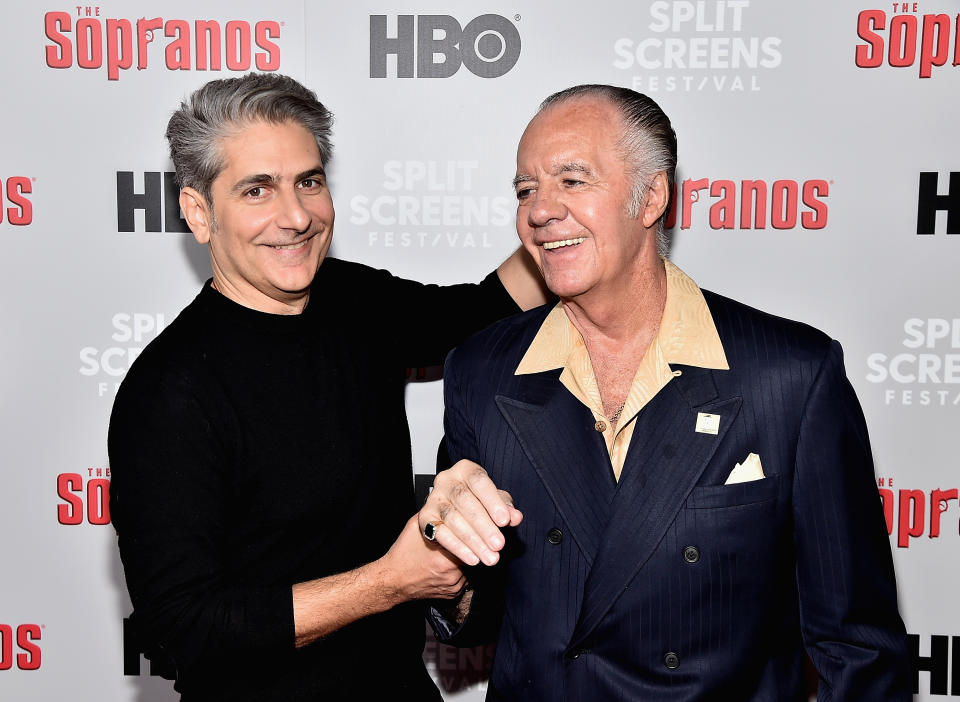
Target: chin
{"x": 564, "y": 287}
{"x": 293, "y": 285}
{"x": 298, "y": 277}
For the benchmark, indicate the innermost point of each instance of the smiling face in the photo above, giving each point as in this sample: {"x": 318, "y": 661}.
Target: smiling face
{"x": 573, "y": 190}
{"x": 272, "y": 217}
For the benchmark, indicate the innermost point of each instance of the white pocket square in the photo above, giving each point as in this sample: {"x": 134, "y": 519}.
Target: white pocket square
{"x": 744, "y": 472}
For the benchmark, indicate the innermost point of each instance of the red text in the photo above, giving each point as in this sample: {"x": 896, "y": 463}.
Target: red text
{"x": 91, "y": 40}
{"x": 749, "y": 203}
{"x": 92, "y": 502}
{"x": 910, "y": 508}
{"x": 901, "y": 39}
{"x": 17, "y": 208}
{"x": 25, "y": 636}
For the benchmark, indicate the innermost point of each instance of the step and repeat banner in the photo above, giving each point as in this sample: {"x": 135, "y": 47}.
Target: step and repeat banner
{"x": 819, "y": 179}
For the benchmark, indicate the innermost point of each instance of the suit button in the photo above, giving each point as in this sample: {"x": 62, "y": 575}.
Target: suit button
{"x": 691, "y": 555}
{"x": 554, "y": 536}
{"x": 671, "y": 660}
{"x": 600, "y": 426}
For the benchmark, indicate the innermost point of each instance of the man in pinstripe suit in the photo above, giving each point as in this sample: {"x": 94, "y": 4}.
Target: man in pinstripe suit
{"x": 699, "y": 510}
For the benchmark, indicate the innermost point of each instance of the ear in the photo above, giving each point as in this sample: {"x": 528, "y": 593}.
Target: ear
{"x": 198, "y": 214}
{"x": 655, "y": 202}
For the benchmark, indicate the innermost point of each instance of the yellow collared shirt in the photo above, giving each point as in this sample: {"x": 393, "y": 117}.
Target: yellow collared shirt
{"x": 687, "y": 336}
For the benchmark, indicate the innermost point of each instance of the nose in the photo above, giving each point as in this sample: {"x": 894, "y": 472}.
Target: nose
{"x": 547, "y": 206}
{"x": 292, "y": 213}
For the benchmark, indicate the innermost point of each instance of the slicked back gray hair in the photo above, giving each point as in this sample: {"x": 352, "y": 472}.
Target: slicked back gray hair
{"x": 648, "y": 141}
{"x": 221, "y": 107}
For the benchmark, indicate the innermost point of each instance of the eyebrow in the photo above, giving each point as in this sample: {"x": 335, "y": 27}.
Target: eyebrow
{"x": 558, "y": 169}
{"x": 269, "y": 178}
{"x": 572, "y": 167}
{"x": 521, "y": 178}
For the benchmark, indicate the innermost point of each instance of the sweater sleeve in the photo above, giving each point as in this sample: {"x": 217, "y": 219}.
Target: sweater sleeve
{"x": 169, "y": 499}
{"x": 424, "y": 321}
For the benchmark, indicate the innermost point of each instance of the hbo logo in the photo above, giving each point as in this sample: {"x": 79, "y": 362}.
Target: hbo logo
{"x": 488, "y": 46}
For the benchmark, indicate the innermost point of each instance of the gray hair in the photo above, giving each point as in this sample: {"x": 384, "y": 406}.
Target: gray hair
{"x": 648, "y": 141}
{"x": 221, "y": 107}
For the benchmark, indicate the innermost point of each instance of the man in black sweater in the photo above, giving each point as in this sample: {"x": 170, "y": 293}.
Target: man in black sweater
{"x": 259, "y": 446}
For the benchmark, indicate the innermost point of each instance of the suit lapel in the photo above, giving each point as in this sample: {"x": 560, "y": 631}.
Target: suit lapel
{"x": 666, "y": 458}
{"x": 555, "y": 431}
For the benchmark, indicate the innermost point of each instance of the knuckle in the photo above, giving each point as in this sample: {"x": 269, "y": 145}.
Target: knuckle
{"x": 477, "y": 474}
{"x": 460, "y": 467}
{"x": 436, "y": 497}
{"x": 458, "y": 492}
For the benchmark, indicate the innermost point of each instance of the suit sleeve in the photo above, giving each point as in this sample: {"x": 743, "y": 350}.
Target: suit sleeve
{"x": 486, "y": 606}
{"x": 458, "y": 425}
{"x": 848, "y": 599}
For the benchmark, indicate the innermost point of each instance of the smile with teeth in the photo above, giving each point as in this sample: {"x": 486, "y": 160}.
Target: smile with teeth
{"x": 566, "y": 242}
{"x": 290, "y": 247}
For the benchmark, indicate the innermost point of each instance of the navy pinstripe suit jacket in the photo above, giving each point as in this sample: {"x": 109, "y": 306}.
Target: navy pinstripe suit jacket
{"x": 599, "y": 595}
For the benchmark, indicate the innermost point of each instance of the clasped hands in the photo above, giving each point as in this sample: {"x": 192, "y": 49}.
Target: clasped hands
{"x": 470, "y": 511}
{"x": 466, "y": 511}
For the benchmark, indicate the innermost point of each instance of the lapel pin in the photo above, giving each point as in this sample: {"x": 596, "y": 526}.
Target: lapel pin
{"x": 708, "y": 423}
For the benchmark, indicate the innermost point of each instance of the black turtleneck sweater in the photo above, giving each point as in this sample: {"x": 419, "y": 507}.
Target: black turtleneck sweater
{"x": 252, "y": 451}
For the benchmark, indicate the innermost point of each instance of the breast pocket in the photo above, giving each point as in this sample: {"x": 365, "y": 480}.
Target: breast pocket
{"x": 736, "y": 495}
{"x": 740, "y": 521}
{"x": 737, "y": 531}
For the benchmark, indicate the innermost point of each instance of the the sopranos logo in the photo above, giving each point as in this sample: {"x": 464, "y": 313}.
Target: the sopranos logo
{"x": 927, "y": 371}
{"x": 697, "y": 47}
{"x": 430, "y": 204}
{"x": 904, "y": 38}
{"x": 84, "y": 497}
{"x": 909, "y": 512}
{"x": 109, "y": 363}
{"x": 18, "y": 646}
{"x": 160, "y": 204}
{"x": 93, "y": 42}
{"x": 937, "y": 663}
{"x": 15, "y": 206}
{"x": 436, "y": 46}
{"x": 750, "y": 204}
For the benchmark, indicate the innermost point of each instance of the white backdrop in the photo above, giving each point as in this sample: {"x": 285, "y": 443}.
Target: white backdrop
{"x": 835, "y": 110}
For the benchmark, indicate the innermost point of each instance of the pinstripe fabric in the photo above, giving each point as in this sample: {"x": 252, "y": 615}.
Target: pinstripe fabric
{"x": 799, "y": 559}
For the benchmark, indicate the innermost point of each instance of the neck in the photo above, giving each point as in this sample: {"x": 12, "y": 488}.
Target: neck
{"x": 617, "y": 329}
{"x": 619, "y": 316}
{"x": 254, "y": 299}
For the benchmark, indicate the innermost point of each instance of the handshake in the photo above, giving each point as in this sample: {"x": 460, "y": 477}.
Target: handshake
{"x": 459, "y": 525}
